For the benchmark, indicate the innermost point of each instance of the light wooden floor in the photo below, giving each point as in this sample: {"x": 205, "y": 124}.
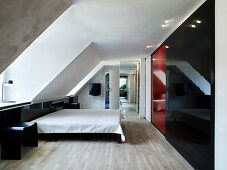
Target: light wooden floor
{"x": 145, "y": 149}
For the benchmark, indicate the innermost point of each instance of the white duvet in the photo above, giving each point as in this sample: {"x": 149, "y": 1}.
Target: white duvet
{"x": 81, "y": 121}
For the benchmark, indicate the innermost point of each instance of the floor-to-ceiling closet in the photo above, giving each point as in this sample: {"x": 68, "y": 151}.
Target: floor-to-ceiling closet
{"x": 182, "y": 88}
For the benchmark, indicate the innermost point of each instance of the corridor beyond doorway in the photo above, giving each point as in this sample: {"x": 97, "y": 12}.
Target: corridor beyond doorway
{"x": 128, "y": 110}
{"x": 129, "y": 88}
{"x": 123, "y": 100}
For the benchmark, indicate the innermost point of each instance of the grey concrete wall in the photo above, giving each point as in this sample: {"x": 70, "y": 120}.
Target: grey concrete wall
{"x": 22, "y": 21}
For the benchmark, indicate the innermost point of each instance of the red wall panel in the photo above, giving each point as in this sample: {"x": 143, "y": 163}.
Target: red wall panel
{"x": 159, "y": 88}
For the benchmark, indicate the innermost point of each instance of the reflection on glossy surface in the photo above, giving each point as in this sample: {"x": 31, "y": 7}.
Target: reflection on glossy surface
{"x": 188, "y": 104}
{"x": 159, "y": 88}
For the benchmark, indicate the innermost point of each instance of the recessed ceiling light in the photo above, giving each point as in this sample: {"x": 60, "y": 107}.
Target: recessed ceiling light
{"x": 149, "y": 46}
{"x": 198, "y": 21}
{"x": 167, "y": 46}
{"x": 164, "y": 25}
{"x": 153, "y": 59}
{"x": 167, "y": 21}
{"x": 193, "y": 26}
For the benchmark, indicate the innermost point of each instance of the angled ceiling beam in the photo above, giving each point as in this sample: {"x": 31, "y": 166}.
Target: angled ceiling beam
{"x": 90, "y": 75}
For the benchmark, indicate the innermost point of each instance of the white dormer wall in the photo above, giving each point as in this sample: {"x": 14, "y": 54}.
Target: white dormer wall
{"x": 36, "y": 67}
{"x": 70, "y": 76}
{"x": 91, "y": 75}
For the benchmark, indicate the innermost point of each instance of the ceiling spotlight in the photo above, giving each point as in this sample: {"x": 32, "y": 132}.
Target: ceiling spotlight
{"x": 198, "y": 21}
{"x": 149, "y": 46}
{"x": 193, "y": 26}
{"x": 153, "y": 59}
{"x": 164, "y": 25}
{"x": 167, "y": 21}
{"x": 167, "y": 46}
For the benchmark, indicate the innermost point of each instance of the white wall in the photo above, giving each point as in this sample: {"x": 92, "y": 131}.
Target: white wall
{"x": 137, "y": 88}
{"x": 86, "y": 79}
{"x": 142, "y": 93}
{"x": 88, "y": 101}
{"x": 148, "y": 89}
{"x": 220, "y": 85}
{"x": 64, "y": 82}
{"x": 1, "y": 81}
{"x": 132, "y": 88}
{"x": 114, "y": 89}
{"x": 36, "y": 67}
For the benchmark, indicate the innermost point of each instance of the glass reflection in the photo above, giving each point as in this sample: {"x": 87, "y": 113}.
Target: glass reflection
{"x": 188, "y": 89}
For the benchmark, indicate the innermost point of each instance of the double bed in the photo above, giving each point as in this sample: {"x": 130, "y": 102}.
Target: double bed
{"x": 81, "y": 121}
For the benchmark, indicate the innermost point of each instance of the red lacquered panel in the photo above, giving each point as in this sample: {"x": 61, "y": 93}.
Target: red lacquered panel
{"x": 159, "y": 88}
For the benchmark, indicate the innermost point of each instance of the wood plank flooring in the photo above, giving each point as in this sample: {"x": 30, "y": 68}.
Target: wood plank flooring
{"x": 145, "y": 149}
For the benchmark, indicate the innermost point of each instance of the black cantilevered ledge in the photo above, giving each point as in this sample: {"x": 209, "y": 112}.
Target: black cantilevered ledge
{"x": 13, "y": 105}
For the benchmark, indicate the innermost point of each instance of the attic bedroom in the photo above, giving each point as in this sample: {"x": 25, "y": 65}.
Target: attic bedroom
{"x": 112, "y": 84}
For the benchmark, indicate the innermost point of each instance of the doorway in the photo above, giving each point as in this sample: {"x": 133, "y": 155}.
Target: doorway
{"x": 107, "y": 91}
{"x": 129, "y": 88}
{"x": 124, "y": 89}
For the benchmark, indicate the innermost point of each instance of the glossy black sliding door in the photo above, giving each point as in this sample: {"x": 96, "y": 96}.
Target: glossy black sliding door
{"x": 189, "y": 96}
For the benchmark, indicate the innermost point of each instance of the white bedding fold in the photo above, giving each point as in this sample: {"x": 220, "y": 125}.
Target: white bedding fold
{"x": 81, "y": 121}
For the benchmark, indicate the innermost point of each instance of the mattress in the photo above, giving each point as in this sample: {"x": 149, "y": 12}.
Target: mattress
{"x": 81, "y": 121}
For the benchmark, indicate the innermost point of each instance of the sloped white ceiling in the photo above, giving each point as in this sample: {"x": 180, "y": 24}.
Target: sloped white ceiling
{"x": 121, "y": 28}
